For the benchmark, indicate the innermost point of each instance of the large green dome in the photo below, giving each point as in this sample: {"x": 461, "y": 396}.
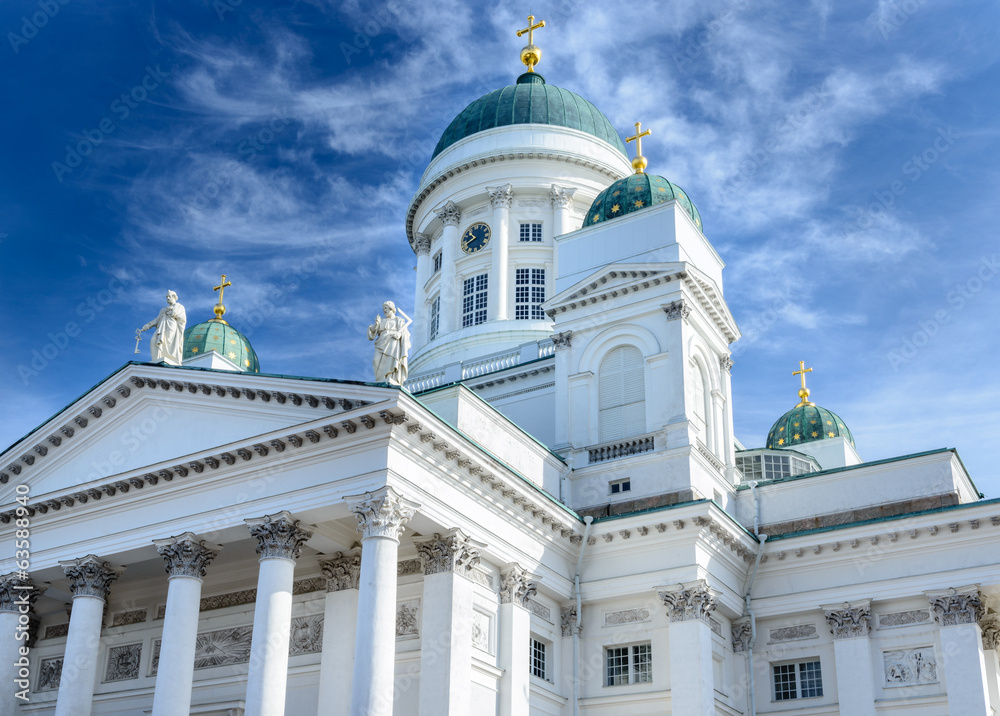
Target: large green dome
{"x": 636, "y": 192}
{"x": 530, "y": 101}
{"x": 217, "y": 335}
{"x": 806, "y": 423}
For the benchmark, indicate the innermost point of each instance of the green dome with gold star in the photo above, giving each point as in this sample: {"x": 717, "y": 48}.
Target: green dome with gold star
{"x": 807, "y": 423}
{"x": 217, "y": 335}
{"x": 636, "y": 192}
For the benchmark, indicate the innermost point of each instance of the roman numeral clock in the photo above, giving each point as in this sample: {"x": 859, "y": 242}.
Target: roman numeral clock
{"x": 475, "y": 238}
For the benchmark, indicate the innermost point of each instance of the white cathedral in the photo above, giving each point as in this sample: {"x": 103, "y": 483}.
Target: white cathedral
{"x": 552, "y": 516}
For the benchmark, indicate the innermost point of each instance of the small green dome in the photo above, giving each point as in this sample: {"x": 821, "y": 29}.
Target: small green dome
{"x": 636, "y": 192}
{"x": 806, "y": 423}
{"x": 219, "y": 336}
{"x": 530, "y": 101}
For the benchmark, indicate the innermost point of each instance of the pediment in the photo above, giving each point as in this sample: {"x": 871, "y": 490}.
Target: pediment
{"x": 621, "y": 279}
{"x": 144, "y": 415}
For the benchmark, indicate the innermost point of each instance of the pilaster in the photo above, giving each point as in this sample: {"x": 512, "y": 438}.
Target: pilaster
{"x": 499, "y": 295}
{"x": 850, "y": 624}
{"x": 958, "y": 612}
{"x": 450, "y": 216}
{"x": 516, "y": 588}
{"x": 692, "y": 680}
{"x": 342, "y": 572}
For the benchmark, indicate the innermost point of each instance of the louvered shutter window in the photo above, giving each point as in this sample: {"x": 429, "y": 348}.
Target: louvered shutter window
{"x": 622, "y": 409}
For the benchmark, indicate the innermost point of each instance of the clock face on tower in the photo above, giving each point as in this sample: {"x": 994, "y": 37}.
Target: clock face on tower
{"x": 475, "y": 238}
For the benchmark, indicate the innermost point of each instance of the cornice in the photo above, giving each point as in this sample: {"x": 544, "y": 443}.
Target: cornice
{"x": 626, "y": 281}
{"x": 124, "y": 391}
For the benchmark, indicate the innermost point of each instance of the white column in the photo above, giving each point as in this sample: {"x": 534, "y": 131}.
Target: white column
{"x": 450, "y": 215}
{"x": 728, "y": 449}
{"x": 516, "y": 589}
{"x": 90, "y": 580}
{"x": 381, "y": 516}
{"x": 563, "y": 413}
{"x": 991, "y": 640}
{"x": 446, "y": 623}
{"x": 186, "y": 558}
{"x": 692, "y": 679}
{"x": 499, "y": 289}
{"x": 342, "y": 572}
{"x": 849, "y": 623}
{"x": 17, "y": 599}
{"x": 422, "y": 247}
{"x": 562, "y": 202}
{"x": 279, "y": 542}
{"x": 742, "y": 633}
{"x": 958, "y": 612}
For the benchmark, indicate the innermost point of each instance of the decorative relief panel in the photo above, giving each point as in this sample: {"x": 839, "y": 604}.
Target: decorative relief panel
{"x": 790, "y": 633}
{"x": 49, "y": 673}
{"x": 540, "y": 610}
{"x": 482, "y": 627}
{"x": 626, "y": 616}
{"x": 306, "y": 635}
{"x": 223, "y": 647}
{"x": 481, "y": 578}
{"x": 715, "y": 625}
{"x": 134, "y": 616}
{"x": 917, "y": 616}
{"x": 910, "y": 666}
{"x": 567, "y": 618}
{"x": 123, "y": 662}
{"x": 408, "y": 618}
{"x": 56, "y": 630}
{"x": 409, "y": 566}
{"x": 478, "y": 211}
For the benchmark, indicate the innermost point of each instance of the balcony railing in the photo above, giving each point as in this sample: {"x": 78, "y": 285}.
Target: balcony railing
{"x": 620, "y": 449}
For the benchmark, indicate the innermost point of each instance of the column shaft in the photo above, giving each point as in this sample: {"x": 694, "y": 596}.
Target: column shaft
{"x": 512, "y": 650}
{"x": 499, "y": 293}
{"x": 965, "y": 670}
{"x": 272, "y": 620}
{"x": 422, "y": 246}
{"x": 337, "y": 666}
{"x": 175, "y": 673}
{"x": 450, "y": 216}
{"x": 9, "y": 666}
{"x": 855, "y": 690}
{"x": 692, "y": 681}
{"x": 79, "y": 671}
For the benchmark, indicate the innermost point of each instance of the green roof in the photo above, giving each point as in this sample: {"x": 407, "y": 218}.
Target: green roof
{"x": 637, "y": 192}
{"x": 806, "y": 423}
{"x": 530, "y": 101}
{"x": 217, "y": 335}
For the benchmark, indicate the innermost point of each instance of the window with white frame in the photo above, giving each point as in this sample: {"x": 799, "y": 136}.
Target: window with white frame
{"x": 437, "y": 262}
{"x": 435, "y": 318}
{"x": 531, "y": 232}
{"x": 800, "y": 680}
{"x": 529, "y": 294}
{"x": 622, "y": 394}
{"x": 628, "y": 664}
{"x": 538, "y": 659}
{"x": 619, "y": 486}
{"x": 474, "y": 297}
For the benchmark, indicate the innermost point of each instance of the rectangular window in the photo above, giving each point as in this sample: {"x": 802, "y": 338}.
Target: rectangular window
{"x": 437, "y": 262}
{"x": 435, "y": 321}
{"x": 529, "y": 294}
{"x": 797, "y": 681}
{"x": 531, "y": 232}
{"x": 628, "y": 665}
{"x": 474, "y": 295}
{"x": 538, "y": 664}
{"x": 618, "y": 486}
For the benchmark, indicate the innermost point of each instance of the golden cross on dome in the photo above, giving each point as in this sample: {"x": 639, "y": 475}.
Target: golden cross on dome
{"x": 219, "y": 309}
{"x": 531, "y": 55}
{"x": 803, "y": 391}
{"x": 639, "y": 163}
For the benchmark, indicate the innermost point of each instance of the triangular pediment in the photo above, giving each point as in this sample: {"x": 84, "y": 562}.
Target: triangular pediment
{"x": 144, "y": 415}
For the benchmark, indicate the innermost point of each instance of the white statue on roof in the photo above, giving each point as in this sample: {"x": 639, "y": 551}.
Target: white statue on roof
{"x": 392, "y": 344}
{"x": 167, "y": 342}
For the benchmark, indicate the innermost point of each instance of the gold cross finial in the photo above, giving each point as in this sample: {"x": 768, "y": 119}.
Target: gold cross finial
{"x": 803, "y": 391}
{"x": 639, "y": 163}
{"x": 531, "y": 55}
{"x": 219, "y": 309}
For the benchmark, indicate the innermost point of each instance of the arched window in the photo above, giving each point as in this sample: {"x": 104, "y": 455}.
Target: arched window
{"x": 622, "y": 403}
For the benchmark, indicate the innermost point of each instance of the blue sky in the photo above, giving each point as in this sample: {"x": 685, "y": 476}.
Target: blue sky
{"x": 844, "y": 157}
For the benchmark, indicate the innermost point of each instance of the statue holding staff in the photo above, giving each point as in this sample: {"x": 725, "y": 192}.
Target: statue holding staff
{"x": 167, "y": 342}
{"x": 392, "y": 344}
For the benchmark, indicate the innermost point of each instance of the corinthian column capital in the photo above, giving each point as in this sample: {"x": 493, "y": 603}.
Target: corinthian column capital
{"x": 342, "y": 570}
{"x": 17, "y": 591}
{"x": 516, "y": 586}
{"x": 421, "y": 244}
{"x": 962, "y": 605}
{"x": 91, "y": 576}
{"x": 501, "y": 196}
{"x": 382, "y": 513}
{"x": 449, "y": 214}
{"x": 561, "y": 196}
{"x": 278, "y": 536}
{"x": 850, "y": 619}
{"x": 694, "y": 600}
{"x": 453, "y": 551}
{"x": 186, "y": 555}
